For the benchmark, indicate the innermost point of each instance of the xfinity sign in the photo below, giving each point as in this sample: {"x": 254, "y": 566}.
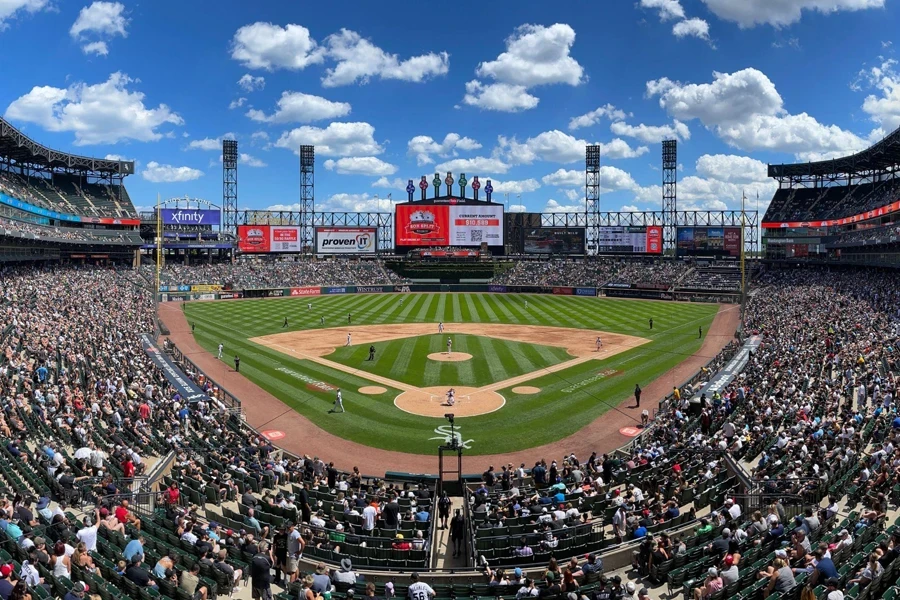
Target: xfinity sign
{"x": 181, "y": 216}
{"x": 346, "y": 240}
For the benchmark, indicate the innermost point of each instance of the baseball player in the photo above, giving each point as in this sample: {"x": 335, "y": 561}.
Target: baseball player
{"x": 349, "y": 339}
{"x": 449, "y": 346}
{"x": 599, "y": 343}
{"x": 323, "y": 321}
{"x": 451, "y": 397}
{"x": 221, "y": 347}
{"x": 526, "y": 305}
{"x": 441, "y": 327}
{"x": 338, "y": 402}
{"x": 309, "y": 306}
{"x": 285, "y": 324}
{"x": 349, "y": 318}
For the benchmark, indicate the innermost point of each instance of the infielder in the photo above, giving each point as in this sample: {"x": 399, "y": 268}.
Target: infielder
{"x": 221, "y": 346}
{"x": 599, "y": 343}
{"x": 449, "y": 346}
{"x": 349, "y": 339}
{"x": 441, "y": 327}
{"x": 338, "y": 402}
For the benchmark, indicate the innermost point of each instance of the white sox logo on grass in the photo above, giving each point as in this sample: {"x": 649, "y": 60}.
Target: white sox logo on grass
{"x": 446, "y": 434}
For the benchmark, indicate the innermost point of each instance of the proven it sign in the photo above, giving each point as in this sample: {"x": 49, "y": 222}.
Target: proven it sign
{"x": 346, "y": 240}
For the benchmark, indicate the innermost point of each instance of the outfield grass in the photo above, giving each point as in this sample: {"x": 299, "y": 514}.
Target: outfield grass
{"x": 494, "y": 360}
{"x": 569, "y": 400}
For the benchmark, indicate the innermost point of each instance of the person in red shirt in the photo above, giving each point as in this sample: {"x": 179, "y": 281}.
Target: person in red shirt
{"x": 124, "y": 517}
{"x": 144, "y": 410}
{"x": 128, "y": 467}
{"x": 172, "y": 494}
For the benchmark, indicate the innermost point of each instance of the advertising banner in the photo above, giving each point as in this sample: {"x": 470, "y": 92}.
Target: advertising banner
{"x": 306, "y": 291}
{"x": 497, "y": 289}
{"x": 189, "y": 390}
{"x": 230, "y": 295}
{"x": 449, "y": 253}
{"x": 52, "y": 214}
{"x": 632, "y": 240}
{"x": 346, "y": 240}
{"x": 871, "y": 214}
{"x": 339, "y": 290}
{"x": 254, "y": 238}
{"x": 585, "y": 291}
{"x": 269, "y": 238}
{"x": 455, "y": 225}
{"x": 564, "y": 291}
{"x": 181, "y": 216}
{"x": 206, "y": 297}
{"x": 709, "y": 241}
{"x": 731, "y": 370}
{"x": 402, "y": 289}
{"x": 554, "y": 240}
{"x": 214, "y": 287}
{"x": 374, "y": 289}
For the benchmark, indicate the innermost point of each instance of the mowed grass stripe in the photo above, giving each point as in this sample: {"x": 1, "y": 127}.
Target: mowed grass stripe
{"x": 454, "y": 304}
{"x": 486, "y": 308}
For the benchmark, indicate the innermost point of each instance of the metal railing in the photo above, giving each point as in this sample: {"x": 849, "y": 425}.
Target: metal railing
{"x": 186, "y": 364}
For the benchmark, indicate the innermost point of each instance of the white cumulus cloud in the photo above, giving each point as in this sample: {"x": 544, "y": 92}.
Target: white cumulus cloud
{"x": 586, "y": 120}
{"x": 338, "y": 139}
{"x": 158, "y": 173}
{"x": 473, "y": 166}
{"x": 11, "y": 9}
{"x": 779, "y": 13}
{"x": 535, "y": 55}
{"x": 424, "y": 146}
{"x": 652, "y": 133}
{"x": 250, "y": 83}
{"x": 270, "y": 47}
{"x": 101, "y": 21}
{"x": 103, "y": 113}
{"x": 358, "y": 60}
{"x": 297, "y": 107}
{"x": 361, "y": 165}
{"x": 560, "y": 147}
{"x": 210, "y": 143}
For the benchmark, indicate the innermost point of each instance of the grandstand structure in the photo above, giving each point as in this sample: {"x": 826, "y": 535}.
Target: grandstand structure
{"x": 840, "y": 211}
{"x": 76, "y": 207}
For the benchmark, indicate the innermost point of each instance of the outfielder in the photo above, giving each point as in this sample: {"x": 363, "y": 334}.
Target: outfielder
{"x": 338, "y": 402}
{"x": 349, "y": 339}
{"x": 323, "y": 321}
{"x": 221, "y": 346}
{"x": 309, "y": 306}
{"x": 441, "y": 327}
{"x": 449, "y": 346}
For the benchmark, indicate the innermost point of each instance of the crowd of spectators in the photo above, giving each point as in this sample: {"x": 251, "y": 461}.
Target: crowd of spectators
{"x": 870, "y": 235}
{"x": 803, "y": 416}
{"x": 251, "y": 274}
{"x": 592, "y": 273}
{"x": 53, "y": 233}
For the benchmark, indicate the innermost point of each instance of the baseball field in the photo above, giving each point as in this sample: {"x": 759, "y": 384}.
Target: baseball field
{"x": 526, "y": 370}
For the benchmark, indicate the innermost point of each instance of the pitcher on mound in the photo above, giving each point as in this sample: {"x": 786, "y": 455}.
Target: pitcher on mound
{"x": 449, "y": 346}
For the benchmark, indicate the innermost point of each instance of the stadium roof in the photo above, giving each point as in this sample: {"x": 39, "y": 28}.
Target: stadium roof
{"x": 19, "y": 147}
{"x": 879, "y": 157}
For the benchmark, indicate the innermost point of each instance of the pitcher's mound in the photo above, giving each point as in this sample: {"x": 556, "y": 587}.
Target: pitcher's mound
{"x": 452, "y": 357}
{"x": 526, "y": 389}
{"x": 372, "y": 390}
{"x": 432, "y": 402}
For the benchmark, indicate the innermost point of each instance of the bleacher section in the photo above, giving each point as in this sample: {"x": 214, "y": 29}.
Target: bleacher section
{"x": 69, "y": 194}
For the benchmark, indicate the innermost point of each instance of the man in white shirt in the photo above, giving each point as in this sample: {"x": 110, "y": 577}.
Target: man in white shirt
{"x": 370, "y": 513}
{"x": 88, "y": 534}
{"x": 419, "y": 590}
{"x": 733, "y": 509}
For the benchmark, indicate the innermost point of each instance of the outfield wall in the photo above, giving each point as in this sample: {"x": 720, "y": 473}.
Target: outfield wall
{"x": 306, "y": 291}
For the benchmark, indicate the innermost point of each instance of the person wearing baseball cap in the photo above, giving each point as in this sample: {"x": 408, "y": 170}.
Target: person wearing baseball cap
{"x": 833, "y": 589}
{"x": 79, "y": 589}
{"x": 643, "y": 594}
{"x": 6, "y": 586}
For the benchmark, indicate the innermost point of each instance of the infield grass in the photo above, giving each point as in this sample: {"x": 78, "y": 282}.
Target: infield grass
{"x": 569, "y": 399}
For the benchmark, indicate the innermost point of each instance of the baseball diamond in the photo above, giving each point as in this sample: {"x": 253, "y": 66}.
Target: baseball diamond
{"x": 548, "y": 346}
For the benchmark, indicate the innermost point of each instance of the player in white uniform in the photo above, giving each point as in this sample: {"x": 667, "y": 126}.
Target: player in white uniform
{"x": 599, "y": 343}
{"x": 338, "y": 402}
{"x": 221, "y": 346}
{"x": 419, "y": 590}
{"x": 441, "y": 327}
{"x": 451, "y": 397}
{"x": 349, "y": 339}
{"x": 449, "y": 346}
{"x": 308, "y": 306}
{"x": 526, "y": 305}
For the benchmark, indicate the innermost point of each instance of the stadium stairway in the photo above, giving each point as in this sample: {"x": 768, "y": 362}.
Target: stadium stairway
{"x": 441, "y": 550}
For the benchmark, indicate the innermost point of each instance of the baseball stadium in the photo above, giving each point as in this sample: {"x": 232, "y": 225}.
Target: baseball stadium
{"x": 447, "y": 399}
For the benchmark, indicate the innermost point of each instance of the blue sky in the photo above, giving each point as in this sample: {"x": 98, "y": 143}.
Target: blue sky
{"x": 509, "y": 91}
